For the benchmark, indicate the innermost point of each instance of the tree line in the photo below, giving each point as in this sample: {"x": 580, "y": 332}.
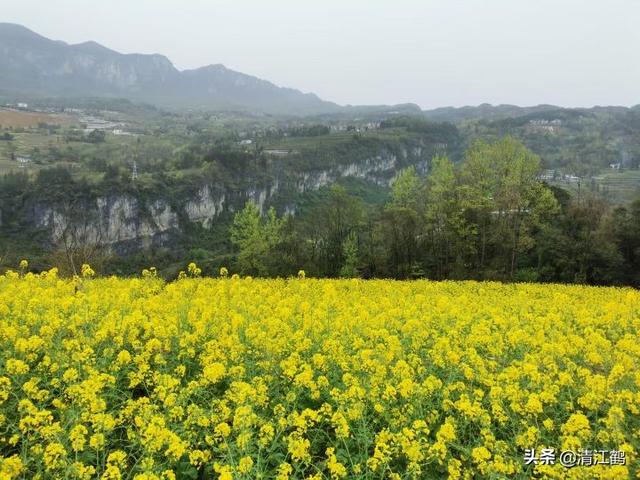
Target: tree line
{"x": 488, "y": 217}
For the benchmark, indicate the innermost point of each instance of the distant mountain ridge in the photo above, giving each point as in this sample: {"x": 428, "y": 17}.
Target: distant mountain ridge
{"x": 490, "y": 112}
{"x": 484, "y": 111}
{"x": 33, "y": 66}
{"x": 36, "y": 66}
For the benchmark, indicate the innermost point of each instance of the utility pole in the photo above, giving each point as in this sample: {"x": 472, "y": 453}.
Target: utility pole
{"x": 134, "y": 171}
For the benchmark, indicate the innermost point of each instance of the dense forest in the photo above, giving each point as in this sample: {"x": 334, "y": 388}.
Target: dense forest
{"x": 489, "y": 217}
{"x": 541, "y": 194}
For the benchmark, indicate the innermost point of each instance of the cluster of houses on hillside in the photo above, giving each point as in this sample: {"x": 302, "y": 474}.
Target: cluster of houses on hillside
{"x": 92, "y": 123}
{"x": 551, "y": 126}
{"x": 17, "y": 105}
{"x": 27, "y": 107}
{"x": 358, "y": 127}
{"x": 554, "y": 175}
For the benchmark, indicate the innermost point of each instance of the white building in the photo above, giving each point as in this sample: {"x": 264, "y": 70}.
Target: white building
{"x": 23, "y": 160}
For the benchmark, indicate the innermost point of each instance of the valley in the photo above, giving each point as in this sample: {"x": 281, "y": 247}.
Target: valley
{"x": 124, "y": 161}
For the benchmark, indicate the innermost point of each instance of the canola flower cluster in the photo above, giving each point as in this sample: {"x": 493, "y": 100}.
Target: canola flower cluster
{"x": 240, "y": 378}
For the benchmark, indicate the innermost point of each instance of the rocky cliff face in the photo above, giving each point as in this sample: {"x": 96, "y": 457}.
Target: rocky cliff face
{"x": 127, "y": 224}
{"x": 205, "y": 206}
{"x": 120, "y": 221}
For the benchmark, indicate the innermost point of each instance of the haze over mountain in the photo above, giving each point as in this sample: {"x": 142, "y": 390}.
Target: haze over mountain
{"x": 35, "y": 66}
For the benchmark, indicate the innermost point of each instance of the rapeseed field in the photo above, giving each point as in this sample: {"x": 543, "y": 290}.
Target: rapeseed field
{"x": 320, "y": 379}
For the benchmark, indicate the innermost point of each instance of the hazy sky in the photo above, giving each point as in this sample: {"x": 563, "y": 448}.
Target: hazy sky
{"x": 433, "y": 53}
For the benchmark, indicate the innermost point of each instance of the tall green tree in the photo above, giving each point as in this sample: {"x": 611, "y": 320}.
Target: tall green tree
{"x": 405, "y": 189}
{"x": 350, "y": 253}
{"x": 338, "y": 215}
{"x": 255, "y": 237}
{"x": 586, "y": 251}
{"x": 478, "y": 186}
{"x": 505, "y": 199}
{"x": 444, "y": 224}
{"x": 624, "y": 227}
{"x": 398, "y": 224}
